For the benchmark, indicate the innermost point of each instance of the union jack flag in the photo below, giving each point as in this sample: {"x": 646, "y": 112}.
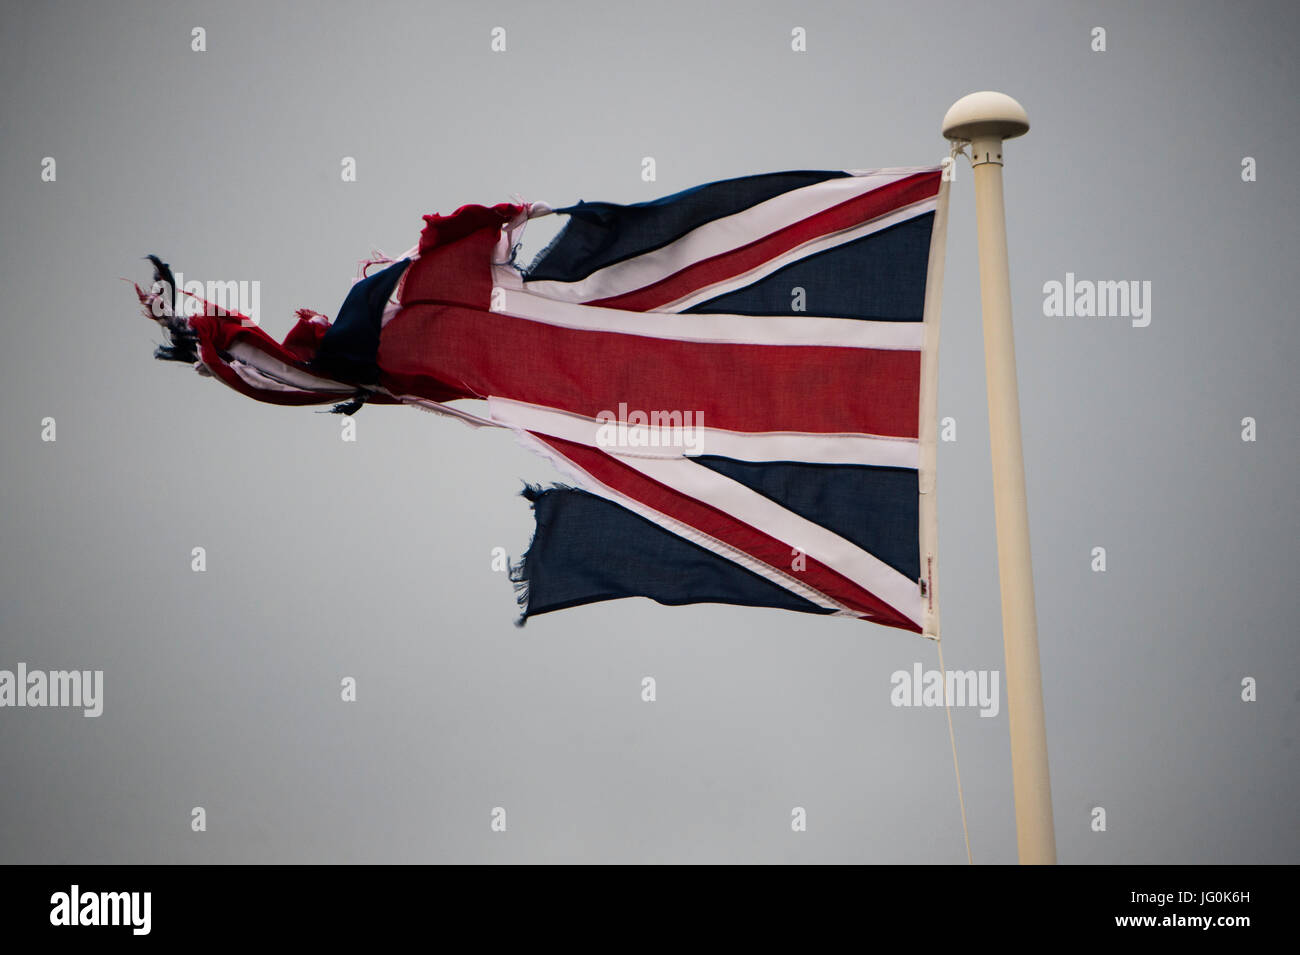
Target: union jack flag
{"x": 737, "y": 381}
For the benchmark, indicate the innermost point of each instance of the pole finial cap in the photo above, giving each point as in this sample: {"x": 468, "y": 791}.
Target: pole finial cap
{"x": 985, "y": 114}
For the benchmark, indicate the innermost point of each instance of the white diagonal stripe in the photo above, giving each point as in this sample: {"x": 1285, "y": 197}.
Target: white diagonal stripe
{"x": 719, "y": 329}
{"x": 863, "y": 449}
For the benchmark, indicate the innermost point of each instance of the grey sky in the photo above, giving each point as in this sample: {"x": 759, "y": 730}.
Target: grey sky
{"x": 372, "y": 560}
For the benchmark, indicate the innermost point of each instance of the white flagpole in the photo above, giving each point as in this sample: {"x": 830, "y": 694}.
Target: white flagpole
{"x": 985, "y": 120}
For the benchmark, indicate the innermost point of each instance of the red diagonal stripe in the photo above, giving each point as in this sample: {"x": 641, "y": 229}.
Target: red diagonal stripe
{"x": 719, "y": 268}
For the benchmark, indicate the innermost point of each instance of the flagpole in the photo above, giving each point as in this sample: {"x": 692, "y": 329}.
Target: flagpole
{"x": 985, "y": 120}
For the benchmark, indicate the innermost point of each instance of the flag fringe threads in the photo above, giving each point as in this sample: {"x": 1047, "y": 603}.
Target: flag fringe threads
{"x": 349, "y": 407}
{"x": 518, "y": 571}
{"x": 182, "y": 342}
{"x": 312, "y": 365}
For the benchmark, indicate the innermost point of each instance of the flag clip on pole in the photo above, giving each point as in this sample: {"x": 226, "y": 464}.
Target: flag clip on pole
{"x": 985, "y": 120}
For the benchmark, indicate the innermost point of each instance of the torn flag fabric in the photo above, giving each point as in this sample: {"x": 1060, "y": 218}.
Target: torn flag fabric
{"x": 737, "y": 382}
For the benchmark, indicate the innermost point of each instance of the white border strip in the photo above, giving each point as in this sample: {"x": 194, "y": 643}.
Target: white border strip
{"x": 864, "y": 449}
{"x": 927, "y": 426}
{"x": 716, "y": 329}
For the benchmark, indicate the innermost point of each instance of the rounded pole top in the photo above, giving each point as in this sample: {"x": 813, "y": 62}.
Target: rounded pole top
{"x": 985, "y": 114}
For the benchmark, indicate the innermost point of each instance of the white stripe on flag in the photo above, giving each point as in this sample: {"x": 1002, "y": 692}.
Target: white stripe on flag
{"x": 271, "y": 372}
{"x": 664, "y": 442}
{"x": 722, "y": 329}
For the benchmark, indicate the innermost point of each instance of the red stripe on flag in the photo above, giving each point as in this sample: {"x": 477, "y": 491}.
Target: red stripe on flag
{"x": 454, "y": 264}
{"x": 446, "y": 352}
